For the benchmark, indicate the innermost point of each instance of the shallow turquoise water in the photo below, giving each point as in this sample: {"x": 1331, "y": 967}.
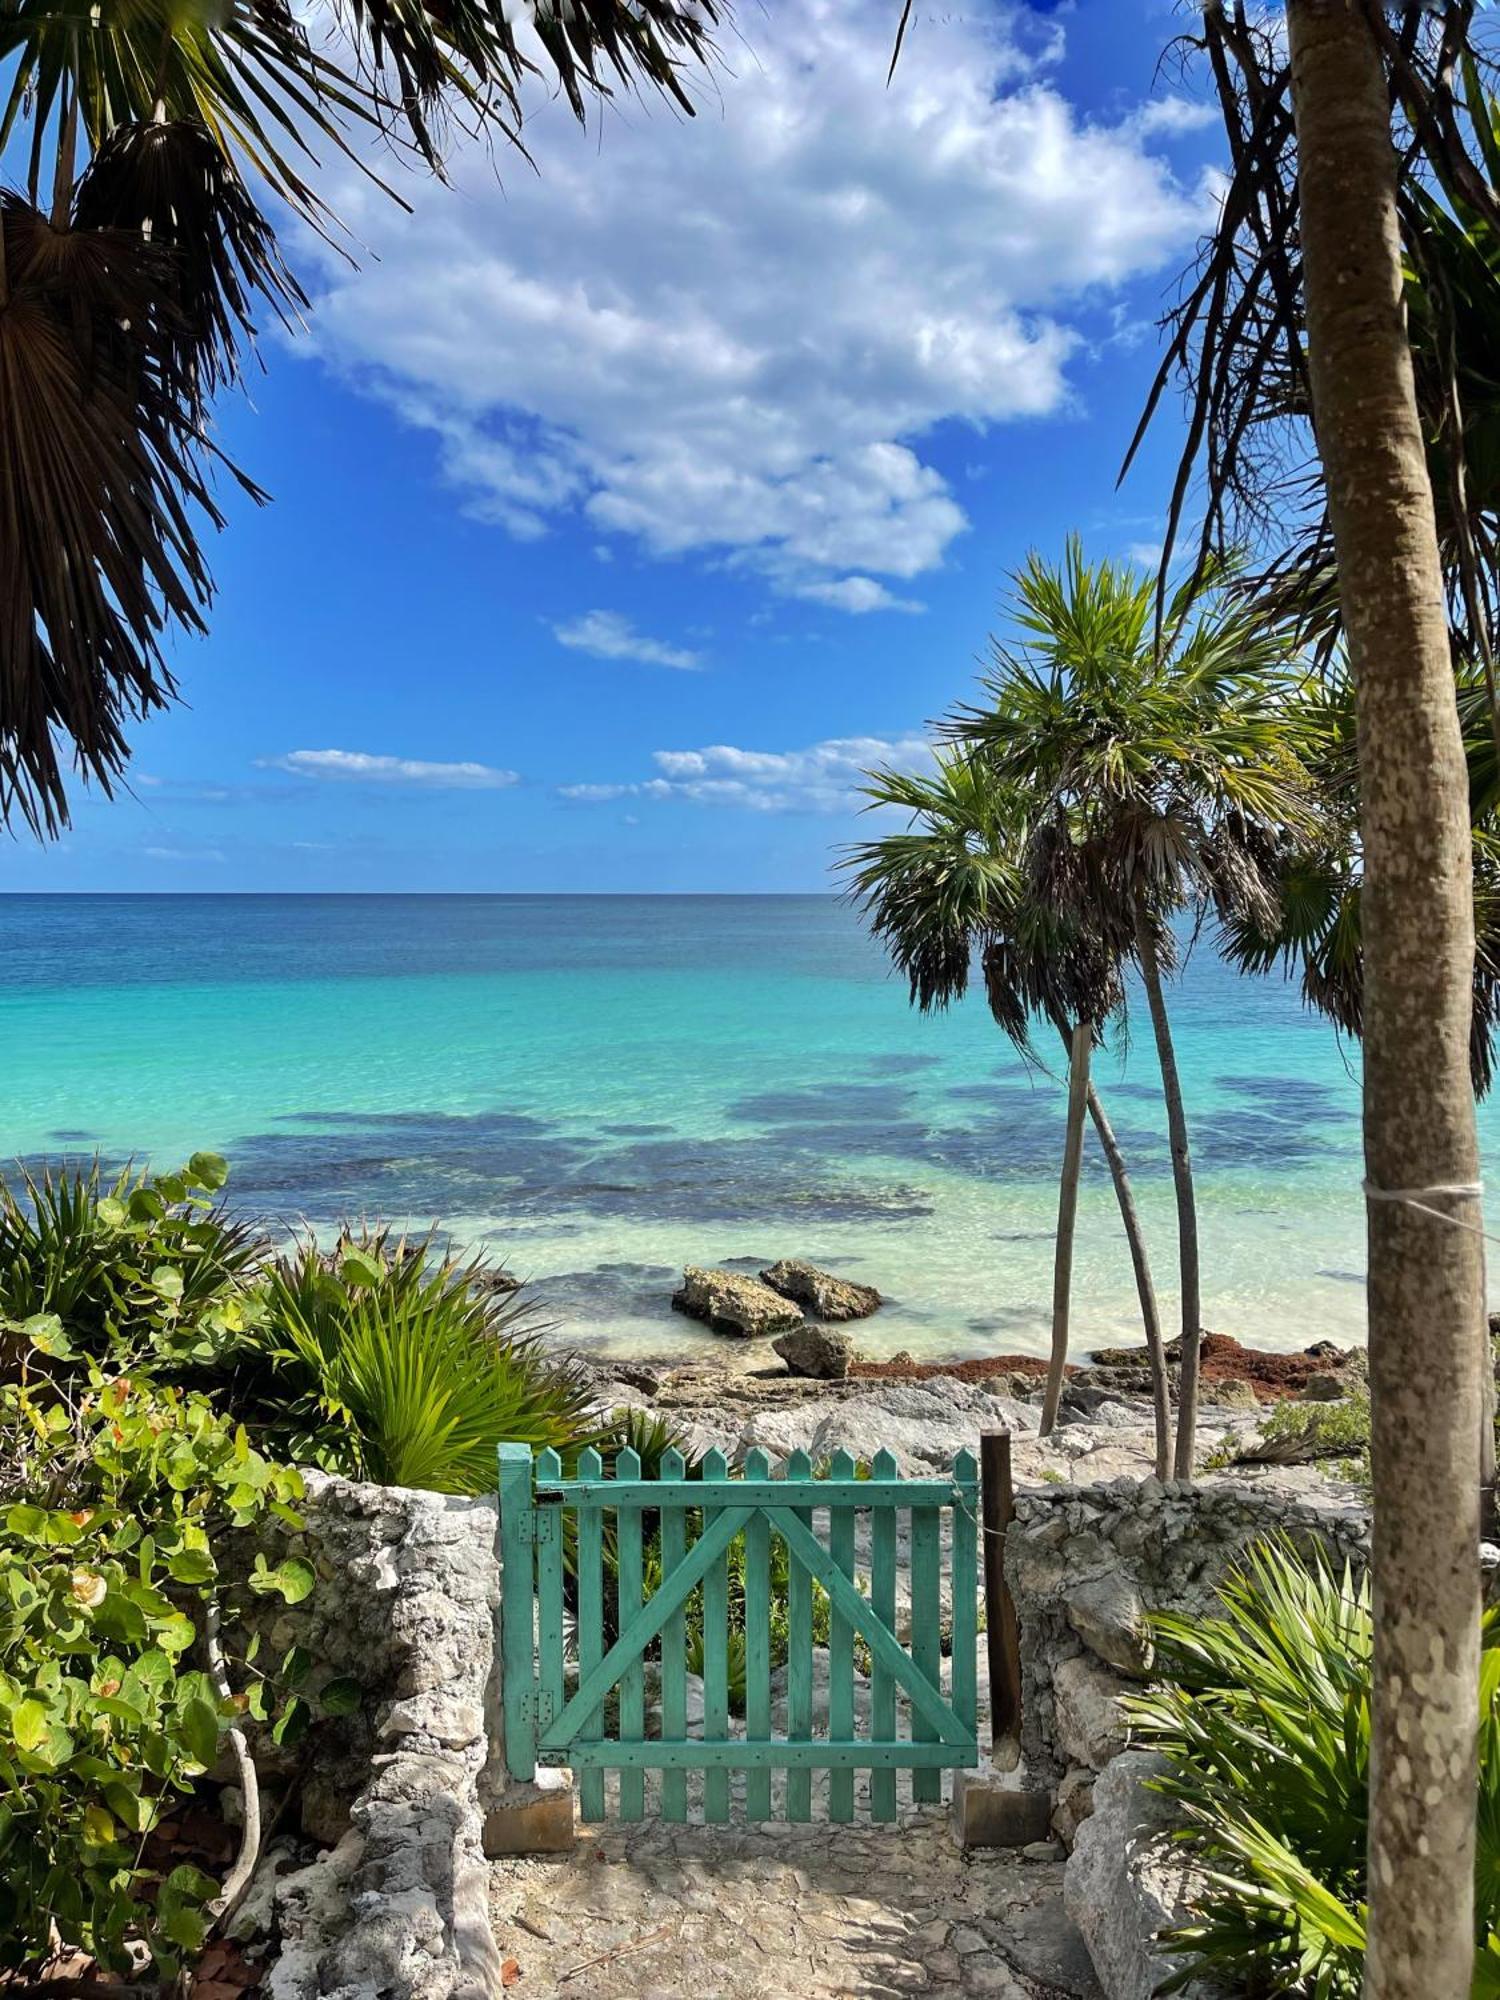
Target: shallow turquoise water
{"x": 602, "y": 1089}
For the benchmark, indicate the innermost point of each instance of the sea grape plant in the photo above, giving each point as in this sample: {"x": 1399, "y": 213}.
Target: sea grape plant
{"x": 111, "y": 1704}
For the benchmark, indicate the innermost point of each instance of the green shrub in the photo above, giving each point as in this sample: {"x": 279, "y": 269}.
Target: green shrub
{"x": 138, "y": 1264}
{"x": 386, "y": 1363}
{"x": 1265, "y": 1724}
{"x": 109, "y": 1580}
{"x": 1335, "y": 1434}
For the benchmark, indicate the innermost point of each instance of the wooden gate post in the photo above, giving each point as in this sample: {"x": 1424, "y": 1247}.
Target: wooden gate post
{"x": 1002, "y": 1632}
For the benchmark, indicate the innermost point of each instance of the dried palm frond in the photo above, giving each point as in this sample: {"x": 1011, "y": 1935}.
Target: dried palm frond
{"x": 99, "y": 479}
{"x": 170, "y": 185}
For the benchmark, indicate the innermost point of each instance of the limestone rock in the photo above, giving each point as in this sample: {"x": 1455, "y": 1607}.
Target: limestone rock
{"x": 815, "y": 1351}
{"x": 1090, "y": 1728}
{"x": 1235, "y": 1394}
{"x": 822, "y": 1294}
{"x": 1073, "y": 1804}
{"x": 1107, "y": 1614}
{"x": 1127, "y": 1879}
{"x": 1325, "y": 1387}
{"x": 729, "y": 1302}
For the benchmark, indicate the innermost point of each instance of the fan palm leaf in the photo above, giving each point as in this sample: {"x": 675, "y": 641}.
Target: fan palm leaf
{"x": 152, "y": 130}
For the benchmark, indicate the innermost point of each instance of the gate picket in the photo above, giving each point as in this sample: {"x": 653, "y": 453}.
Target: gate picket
{"x": 715, "y": 1656}
{"x": 841, "y": 1648}
{"x": 697, "y": 1528}
{"x": 799, "y": 1664}
{"x": 633, "y": 1679}
{"x": 926, "y": 1634}
{"x": 673, "y": 1642}
{"x": 758, "y": 1645}
{"x": 883, "y": 1601}
{"x": 591, "y": 1625}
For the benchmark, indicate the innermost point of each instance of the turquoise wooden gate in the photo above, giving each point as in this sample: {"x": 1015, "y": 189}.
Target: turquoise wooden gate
{"x": 672, "y": 1545}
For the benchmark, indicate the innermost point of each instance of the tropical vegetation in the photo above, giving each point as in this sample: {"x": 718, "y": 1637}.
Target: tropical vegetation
{"x": 1114, "y": 783}
{"x": 157, "y": 140}
{"x": 1264, "y": 1720}
{"x": 1356, "y": 135}
{"x": 954, "y": 888}
{"x": 165, "y": 1372}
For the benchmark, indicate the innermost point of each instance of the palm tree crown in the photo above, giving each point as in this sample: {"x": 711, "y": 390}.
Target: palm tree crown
{"x": 1158, "y": 769}
{"x": 955, "y": 883}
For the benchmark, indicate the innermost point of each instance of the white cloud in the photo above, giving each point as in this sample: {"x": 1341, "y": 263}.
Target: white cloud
{"x": 856, "y": 593}
{"x": 609, "y": 635}
{"x": 734, "y": 335}
{"x": 183, "y": 854}
{"x": 825, "y": 778}
{"x": 361, "y": 767}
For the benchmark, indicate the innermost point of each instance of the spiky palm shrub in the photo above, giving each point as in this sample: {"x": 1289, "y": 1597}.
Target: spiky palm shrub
{"x": 136, "y": 1265}
{"x": 1264, "y": 1719}
{"x": 392, "y": 1367}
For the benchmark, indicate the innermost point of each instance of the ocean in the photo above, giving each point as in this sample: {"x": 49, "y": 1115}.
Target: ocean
{"x": 599, "y": 1090}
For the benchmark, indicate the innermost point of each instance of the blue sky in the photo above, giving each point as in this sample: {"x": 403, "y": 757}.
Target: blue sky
{"x": 622, "y": 510}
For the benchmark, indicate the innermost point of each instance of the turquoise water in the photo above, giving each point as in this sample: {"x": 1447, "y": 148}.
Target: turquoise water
{"x": 600, "y": 1090}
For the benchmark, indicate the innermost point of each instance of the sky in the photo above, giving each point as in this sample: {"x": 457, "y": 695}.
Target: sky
{"x": 625, "y": 508}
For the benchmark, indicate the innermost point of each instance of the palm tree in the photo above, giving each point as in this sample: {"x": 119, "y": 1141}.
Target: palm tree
{"x": 1160, "y": 769}
{"x": 952, "y": 887}
{"x": 154, "y": 136}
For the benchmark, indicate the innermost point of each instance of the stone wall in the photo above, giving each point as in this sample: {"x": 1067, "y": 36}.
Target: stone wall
{"x": 397, "y": 1903}
{"x": 1085, "y": 1565}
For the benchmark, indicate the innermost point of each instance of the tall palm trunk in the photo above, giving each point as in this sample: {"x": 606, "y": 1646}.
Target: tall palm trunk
{"x": 1190, "y": 1277}
{"x": 1161, "y": 1395}
{"x": 1425, "y": 1296}
{"x": 1080, "y": 1049}
{"x": 1145, "y": 1285}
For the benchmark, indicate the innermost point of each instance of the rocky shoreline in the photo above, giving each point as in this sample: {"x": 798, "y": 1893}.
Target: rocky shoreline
{"x": 927, "y": 1413}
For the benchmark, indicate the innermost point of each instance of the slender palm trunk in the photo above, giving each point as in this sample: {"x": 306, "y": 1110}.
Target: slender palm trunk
{"x": 1187, "y": 1205}
{"x": 1145, "y": 1284}
{"x": 1156, "y": 1356}
{"x": 1425, "y": 1292}
{"x": 1080, "y": 1050}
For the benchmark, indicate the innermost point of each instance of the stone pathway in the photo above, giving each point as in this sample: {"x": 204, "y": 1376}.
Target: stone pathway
{"x": 780, "y": 1912}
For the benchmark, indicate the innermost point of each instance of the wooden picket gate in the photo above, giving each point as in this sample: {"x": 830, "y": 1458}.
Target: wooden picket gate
{"x": 688, "y": 1529}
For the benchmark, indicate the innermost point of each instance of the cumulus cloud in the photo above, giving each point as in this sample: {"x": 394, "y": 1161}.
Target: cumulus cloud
{"x": 855, "y": 593}
{"x": 734, "y": 336}
{"x": 824, "y": 778}
{"x": 609, "y": 635}
{"x": 361, "y": 767}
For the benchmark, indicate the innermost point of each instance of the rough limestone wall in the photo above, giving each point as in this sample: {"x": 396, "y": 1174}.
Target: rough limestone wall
{"x": 406, "y": 1601}
{"x": 1086, "y": 1563}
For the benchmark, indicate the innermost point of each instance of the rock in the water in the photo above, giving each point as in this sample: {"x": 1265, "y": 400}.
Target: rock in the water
{"x": 819, "y": 1292}
{"x": 1090, "y": 1728}
{"x": 732, "y": 1303}
{"x": 816, "y": 1351}
{"x": 1127, "y": 1879}
{"x": 1107, "y": 1614}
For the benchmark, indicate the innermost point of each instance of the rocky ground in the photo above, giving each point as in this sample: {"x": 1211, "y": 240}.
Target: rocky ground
{"x": 657, "y": 1912}
{"x": 778, "y": 1366}
{"x": 740, "y": 1393}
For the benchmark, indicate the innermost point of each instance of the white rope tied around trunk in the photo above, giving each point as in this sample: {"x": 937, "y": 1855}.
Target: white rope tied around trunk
{"x": 1422, "y": 1198}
